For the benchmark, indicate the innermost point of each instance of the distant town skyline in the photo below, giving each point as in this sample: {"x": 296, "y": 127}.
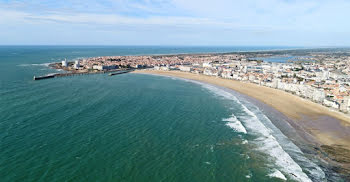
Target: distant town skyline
{"x": 314, "y": 23}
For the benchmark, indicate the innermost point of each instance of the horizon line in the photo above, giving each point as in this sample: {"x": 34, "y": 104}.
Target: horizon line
{"x": 177, "y": 45}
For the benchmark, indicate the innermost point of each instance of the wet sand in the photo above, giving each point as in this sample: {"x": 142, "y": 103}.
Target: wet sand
{"x": 327, "y": 130}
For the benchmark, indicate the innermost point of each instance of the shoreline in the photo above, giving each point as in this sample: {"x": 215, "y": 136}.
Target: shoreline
{"x": 327, "y": 131}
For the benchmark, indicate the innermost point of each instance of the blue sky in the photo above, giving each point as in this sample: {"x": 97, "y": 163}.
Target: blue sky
{"x": 176, "y": 22}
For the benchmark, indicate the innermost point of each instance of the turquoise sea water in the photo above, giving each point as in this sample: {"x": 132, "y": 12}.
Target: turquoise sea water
{"x": 133, "y": 127}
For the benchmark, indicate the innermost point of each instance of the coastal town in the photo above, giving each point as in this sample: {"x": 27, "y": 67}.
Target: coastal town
{"x": 320, "y": 77}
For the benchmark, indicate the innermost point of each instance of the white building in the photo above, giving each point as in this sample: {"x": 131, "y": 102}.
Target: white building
{"x": 330, "y": 103}
{"x": 345, "y": 104}
{"x": 137, "y": 66}
{"x": 64, "y": 63}
{"x": 165, "y": 68}
{"x": 211, "y": 72}
{"x": 102, "y": 67}
{"x": 185, "y": 68}
{"x": 76, "y": 64}
{"x": 207, "y": 65}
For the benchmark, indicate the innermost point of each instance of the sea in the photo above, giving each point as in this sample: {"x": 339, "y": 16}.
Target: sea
{"x": 135, "y": 127}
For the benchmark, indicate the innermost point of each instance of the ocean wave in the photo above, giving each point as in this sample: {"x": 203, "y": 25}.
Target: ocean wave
{"x": 266, "y": 141}
{"x": 313, "y": 170}
{"x": 249, "y": 175}
{"x": 235, "y": 124}
{"x": 277, "y": 174}
{"x": 42, "y": 64}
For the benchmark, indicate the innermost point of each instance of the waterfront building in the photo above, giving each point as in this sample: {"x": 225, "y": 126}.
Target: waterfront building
{"x": 330, "y": 103}
{"x": 104, "y": 67}
{"x": 76, "y": 64}
{"x": 137, "y": 66}
{"x": 345, "y": 104}
{"x": 185, "y": 68}
{"x": 64, "y": 63}
{"x": 165, "y": 68}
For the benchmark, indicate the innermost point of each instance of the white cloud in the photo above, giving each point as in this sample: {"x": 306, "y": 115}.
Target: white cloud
{"x": 10, "y": 17}
{"x": 225, "y": 20}
{"x": 307, "y": 15}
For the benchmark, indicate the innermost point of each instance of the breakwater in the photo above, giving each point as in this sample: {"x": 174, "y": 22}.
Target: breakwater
{"x": 55, "y": 75}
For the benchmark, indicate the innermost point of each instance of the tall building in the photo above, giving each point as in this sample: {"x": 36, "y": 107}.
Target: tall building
{"x": 76, "y": 64}
{"x": 64, "y": 63}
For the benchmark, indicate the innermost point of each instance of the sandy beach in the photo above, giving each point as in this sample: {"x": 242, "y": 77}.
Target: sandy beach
{"x": 331, "y": 129}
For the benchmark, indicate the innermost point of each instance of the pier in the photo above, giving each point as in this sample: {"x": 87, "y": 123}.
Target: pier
{"x": 44, "y": 77}
{"x": 55, "y": 75}
{"x": 119, "y": 72}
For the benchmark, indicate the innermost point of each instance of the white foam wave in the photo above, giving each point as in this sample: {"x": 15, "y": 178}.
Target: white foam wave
{"x": 42, "y": 64}
{"x": 277, "y": 174}
{"x": 267, "y": 142}
{"x": 314, "y": 170}
{"x": 249, "y": 175}
{"x": 235, "y": 124}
